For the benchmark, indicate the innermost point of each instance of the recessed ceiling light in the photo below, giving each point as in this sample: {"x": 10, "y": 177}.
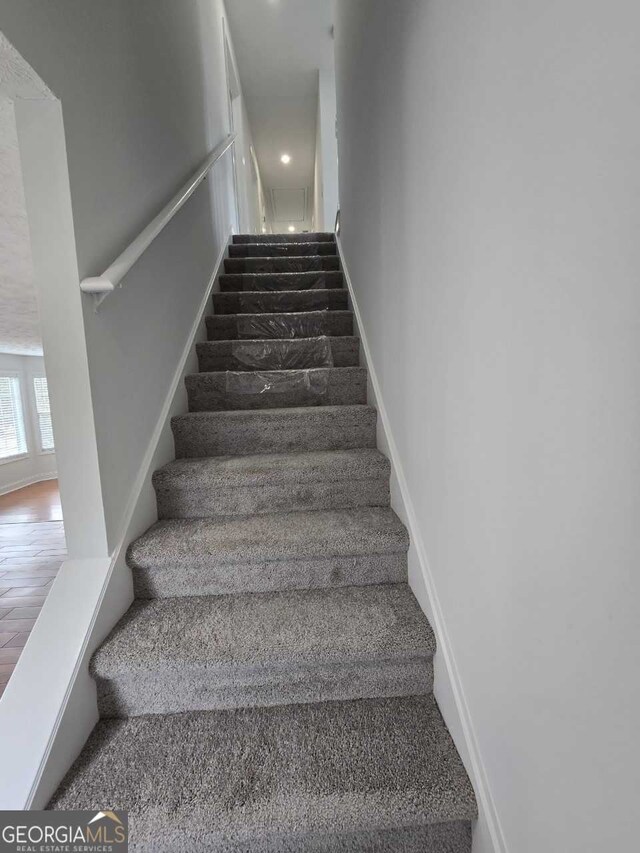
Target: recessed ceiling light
{"x": 292, "y": 228}
{"x": 286, "y": 158}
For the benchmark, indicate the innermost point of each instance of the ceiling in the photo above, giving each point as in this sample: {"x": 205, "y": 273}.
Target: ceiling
{"x": 19, "y": 320}
{"x": 279, "y": 46}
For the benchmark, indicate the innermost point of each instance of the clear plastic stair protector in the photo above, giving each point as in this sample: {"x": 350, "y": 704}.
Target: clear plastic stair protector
{"x": 284, "y": 250}
{"x": 278, "y": 354}
{"x": 301, "y": 263}
{"x": 306, "y": 324}
{"x": 279, "y": 301}
{"x": 301, "y": 386}
{"x": 283, "y": 281}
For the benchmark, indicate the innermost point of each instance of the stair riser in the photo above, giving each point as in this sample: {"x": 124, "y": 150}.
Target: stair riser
{"x": 302, "y": 264}
{"x": 275, "y": 432}
{"x": 210, "y": 392}
{"x": 276, "y": 354}
{"x": 189, "y": 688}
{"x": 185, "y": 502}
{"x": 280, "y": 302}
{"x": 279, "y": 250}
{"x": 203, "y": 577}
{"x": 274, "y": 326}
{"x": 283, "y": 281}
{"x": 310, "y": 237}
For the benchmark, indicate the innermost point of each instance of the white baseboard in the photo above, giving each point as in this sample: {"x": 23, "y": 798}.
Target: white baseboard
{"x": 448, "y": 688}
{"x": 27, "y": 481}
{"x": 98, "y": 592}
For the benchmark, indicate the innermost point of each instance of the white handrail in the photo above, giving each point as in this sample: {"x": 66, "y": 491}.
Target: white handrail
{"x": 101, "y": 286}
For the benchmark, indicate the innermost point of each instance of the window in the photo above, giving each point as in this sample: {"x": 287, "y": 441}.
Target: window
{"x": 13, "y": 441}
{"x": 43, "y": 412}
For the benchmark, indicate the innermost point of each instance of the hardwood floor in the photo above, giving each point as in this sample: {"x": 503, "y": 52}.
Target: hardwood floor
{"x": 39, "y": 502}
{"x": 32, "y": 549}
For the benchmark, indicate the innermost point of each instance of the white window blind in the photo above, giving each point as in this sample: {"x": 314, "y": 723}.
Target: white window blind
{"x": 13, "y": 441}
{"x": 43, "y": 412}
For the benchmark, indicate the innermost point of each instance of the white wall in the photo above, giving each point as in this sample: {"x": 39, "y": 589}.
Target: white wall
{"x": 35, "y": 465}
{"x": 325, "y": 175}
{"x": 327, "y": 105}
{"x": 257, "y": 192}
{"x": 248, "y": 177}
{"x": 251, "y": 187}
{"x": 318, "y": 209}
{"x": 489, "y": 215}
{"x": 142, "y": 88}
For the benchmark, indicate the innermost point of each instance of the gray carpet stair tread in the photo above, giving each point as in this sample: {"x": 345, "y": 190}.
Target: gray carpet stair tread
{"x": 222, "y": 487}
{"x": 296, "y": 264}
{"x": 277, "y": 648}
{"x": 302, "y": 237}
{"x": 332, "y": 777}
{"x": 274, "y": 468}
{"x": 274, "y": 430}
{"x": 280, "y": 301}
{"x": 290, "y": 325}
{"x": 275, "y": 389}
{"x": 281, "y": 536}
{"x": 280, "y": 281}
{"x": 279, "y": 250}
{"x": 292, "y": 629}
{"x": 226, "y": 486}
{"x": 260, "y": 354}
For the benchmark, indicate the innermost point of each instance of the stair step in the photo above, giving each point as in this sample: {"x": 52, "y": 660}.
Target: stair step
{"x": 303, "y": 324}
{"x": 274, "y": 430}
{"x": 297, "y": 264}
{"x": 280, "y": 281}
{"x": 278, "y": 302}
{"x": 336, "y": 777}
{"x": 272, "y": 482}
{"x": 279, "y": 250}
{"x": 304, "y": 237}
{"x": 276, "y": 389}
{"x": 194, "y": 654}
{"x": 271, "y": 552}
{"x": 278, "y": 353}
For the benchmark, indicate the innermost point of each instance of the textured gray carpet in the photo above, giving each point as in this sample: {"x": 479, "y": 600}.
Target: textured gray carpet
{"x": 270, "y": 264}
{"x": 280, "y": 281}
{"x": 291, "y": 778}
{"x": 170, "y": 655}
{"x": 306, "y": 324}
{"x": 270, "y": 690}
{"x": 279, "y": 250}
{"x": 264, "y": 552}
{"x": 303, "y": 237}
{"x": 274, "y": 431}
{"x": 272, "y": 482}
{"x": 274, "y": 537}
{"x": 299, "y": 352}
{"x": 271, "y": 389}
{"x": 259, "y": 302}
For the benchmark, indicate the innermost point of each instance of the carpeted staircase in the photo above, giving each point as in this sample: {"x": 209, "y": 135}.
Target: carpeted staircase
{"x": 270, "y": 690}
